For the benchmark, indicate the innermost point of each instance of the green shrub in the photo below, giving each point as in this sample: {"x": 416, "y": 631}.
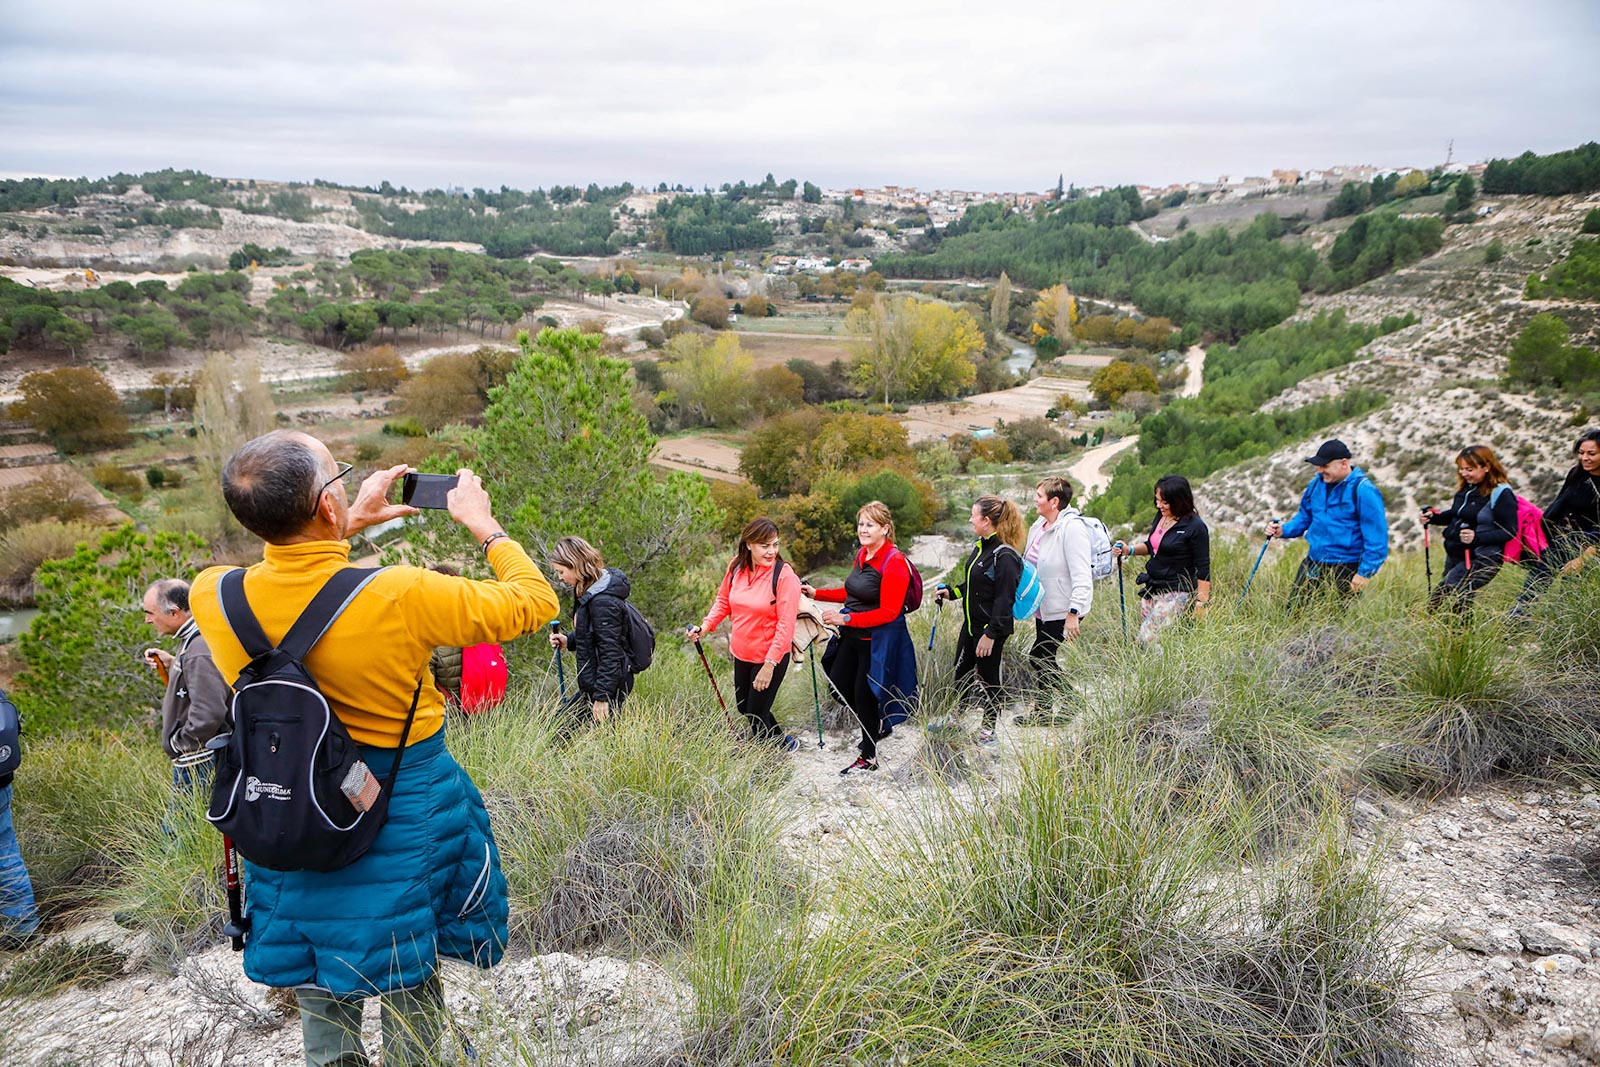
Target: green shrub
{"x": 81, "y": 657}
{"x": 114, "y": 479}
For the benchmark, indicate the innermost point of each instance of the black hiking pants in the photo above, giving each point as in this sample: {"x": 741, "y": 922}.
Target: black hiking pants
{"x": 757, "y": 706}
{"x": 1314, "y": 579}
{"x": 1048, "y": 636}
{"x": 1460, "y": 584}
{"x": 987, "y": 668}
{"x": 849, "y": 677}
{"x": 1542, "y": 569}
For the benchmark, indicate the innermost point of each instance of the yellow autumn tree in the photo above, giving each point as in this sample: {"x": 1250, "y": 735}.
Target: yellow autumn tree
{"x": 912, "y": 349}
{"x": 1055, "y": 312}
{"x": 709, "y": 383}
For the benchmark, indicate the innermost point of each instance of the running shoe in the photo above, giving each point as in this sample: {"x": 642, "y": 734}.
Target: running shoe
{"x": 862, "y": 763}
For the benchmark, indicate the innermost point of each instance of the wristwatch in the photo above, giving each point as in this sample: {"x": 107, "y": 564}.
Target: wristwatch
{"x": 1073, "y": 612}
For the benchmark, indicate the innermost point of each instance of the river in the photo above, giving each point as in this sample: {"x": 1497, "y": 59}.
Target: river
{"x": 13, "y": 623}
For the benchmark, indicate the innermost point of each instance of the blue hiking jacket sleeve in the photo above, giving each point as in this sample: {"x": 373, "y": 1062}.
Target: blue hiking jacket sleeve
{"x": 1343, "y": 523}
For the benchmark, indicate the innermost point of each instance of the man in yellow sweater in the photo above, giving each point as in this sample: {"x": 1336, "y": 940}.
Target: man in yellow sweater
{"x": 431, "y": 883}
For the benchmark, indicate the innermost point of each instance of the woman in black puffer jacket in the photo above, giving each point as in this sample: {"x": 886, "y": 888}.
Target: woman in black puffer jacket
{"x": 599, "y": 637}
{"x": 1479, "y": 523}
{"x": 986, "y": 584}
{"x": 1571, "y": 523}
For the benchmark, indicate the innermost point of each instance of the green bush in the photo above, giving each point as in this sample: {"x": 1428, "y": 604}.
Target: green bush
{"x": 81, "y": 657}
{"x": 114, "y": 479}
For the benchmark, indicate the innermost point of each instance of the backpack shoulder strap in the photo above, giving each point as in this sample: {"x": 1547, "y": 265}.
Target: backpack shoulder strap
{"x": 329, "y": 603}
{"x": 1494, "y": 494}
{"x": 777, "y": 572}
{"x": 240, "y": 619}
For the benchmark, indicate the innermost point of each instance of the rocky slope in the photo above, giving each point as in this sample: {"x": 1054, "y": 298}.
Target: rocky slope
{"x": 1442, "y": 374}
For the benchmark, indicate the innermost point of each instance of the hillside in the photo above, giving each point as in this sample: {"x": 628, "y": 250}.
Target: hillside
{"x": 1442, "y": 376}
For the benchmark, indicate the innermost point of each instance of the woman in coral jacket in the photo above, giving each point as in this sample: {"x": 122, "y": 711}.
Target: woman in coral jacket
{"x": 873, "y": 662}
{"x": 761, "y": 594}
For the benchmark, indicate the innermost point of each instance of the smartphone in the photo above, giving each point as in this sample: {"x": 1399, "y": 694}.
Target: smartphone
{"x": 427, "y": 490}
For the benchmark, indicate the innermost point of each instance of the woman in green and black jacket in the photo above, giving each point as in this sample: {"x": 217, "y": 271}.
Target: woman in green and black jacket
{"x": 986, "y": 584}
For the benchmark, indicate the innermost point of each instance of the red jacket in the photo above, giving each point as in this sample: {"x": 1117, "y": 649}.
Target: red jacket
{"x": 891, "y": 564}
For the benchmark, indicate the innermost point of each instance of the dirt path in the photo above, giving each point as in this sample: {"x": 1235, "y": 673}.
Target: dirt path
{"x": 1195, "y": 360}
{"x": 1090, "y": 472}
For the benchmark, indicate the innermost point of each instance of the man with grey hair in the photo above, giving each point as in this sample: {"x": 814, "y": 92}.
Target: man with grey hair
{"x": 430, "y": 885}
{"x": 195, "y": 707}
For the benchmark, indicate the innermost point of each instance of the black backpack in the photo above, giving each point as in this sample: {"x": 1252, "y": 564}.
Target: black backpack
{"x": 10, "y": 739}
{"x": 279, "y": 773}
{"x": 641, "y": 638}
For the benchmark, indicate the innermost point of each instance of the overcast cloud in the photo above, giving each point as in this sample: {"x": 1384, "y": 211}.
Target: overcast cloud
{"x": 985, "y": 96}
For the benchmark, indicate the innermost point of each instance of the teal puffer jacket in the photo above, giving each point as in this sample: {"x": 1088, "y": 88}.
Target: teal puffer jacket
{"x": 430, "y": 886}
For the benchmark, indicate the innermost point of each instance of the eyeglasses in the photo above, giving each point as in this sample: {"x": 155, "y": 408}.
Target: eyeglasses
{"x": 316, "y": 501}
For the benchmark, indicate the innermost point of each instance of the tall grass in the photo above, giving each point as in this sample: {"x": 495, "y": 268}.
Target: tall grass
{"x": 629, "y": 831}
{"x": 1067, "y": 918}
{"x": 1165, "y": 880}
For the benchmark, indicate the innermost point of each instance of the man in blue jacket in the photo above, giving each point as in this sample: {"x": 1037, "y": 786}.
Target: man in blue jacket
{"x": 1345, "y": 526}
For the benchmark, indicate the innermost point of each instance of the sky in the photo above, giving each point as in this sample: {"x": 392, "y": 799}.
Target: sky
{"x": 930, "y": 94}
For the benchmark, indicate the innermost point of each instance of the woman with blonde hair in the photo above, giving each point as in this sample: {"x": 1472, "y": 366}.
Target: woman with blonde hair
{"x": 599, "y": 637}
{"x": 872, "y": 664}
{"x": 987, "y": 584}
{"x": 1481, "y": 520}
{"x": 761, "y": 594}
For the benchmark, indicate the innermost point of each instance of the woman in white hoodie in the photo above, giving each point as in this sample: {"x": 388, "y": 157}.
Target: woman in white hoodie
{"x": 1059, "y": 549}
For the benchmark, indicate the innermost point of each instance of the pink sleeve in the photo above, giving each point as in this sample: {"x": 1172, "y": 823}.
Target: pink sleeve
{"x": 719, "y": 608}
{"x": 788, "y": 607}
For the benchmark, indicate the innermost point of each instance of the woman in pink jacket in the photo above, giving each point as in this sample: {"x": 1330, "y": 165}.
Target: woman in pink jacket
{"x": 762, "y": 595}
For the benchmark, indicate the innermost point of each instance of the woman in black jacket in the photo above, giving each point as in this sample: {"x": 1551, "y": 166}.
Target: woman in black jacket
{"x": 599, "y": 637}
{"x": 987, "y": 586}
{"x": 1179, "y": 571}
{"x": 1479, "y": 522}
{"x": 1571, "y": 523}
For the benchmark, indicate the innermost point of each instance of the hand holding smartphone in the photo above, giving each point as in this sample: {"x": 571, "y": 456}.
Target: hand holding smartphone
{"x": 427, "y": 490}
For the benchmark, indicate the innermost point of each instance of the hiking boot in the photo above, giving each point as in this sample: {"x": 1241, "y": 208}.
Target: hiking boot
{"x": 986, "y": 737}
{"x": 862, "y": 763}
{"x": 788, "y": 744}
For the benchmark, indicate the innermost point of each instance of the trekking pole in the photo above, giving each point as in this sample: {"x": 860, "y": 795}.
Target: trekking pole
{"x": 561, "y": 672}
{"x": 938, "y": 607}
{"x": 816, "y": 698}
{"x": 1259, "y": 557}
{"x": 1427, "y": 557}
{"x": 1122, "y": 601}
{"x": 237, "y": 926}
{"x": 715, "y": 688}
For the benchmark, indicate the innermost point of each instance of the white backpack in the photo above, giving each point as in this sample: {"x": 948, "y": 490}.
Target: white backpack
{"x": 1101, "y": 563}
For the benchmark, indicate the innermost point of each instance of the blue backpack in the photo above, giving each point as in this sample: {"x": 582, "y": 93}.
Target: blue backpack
{"x": 1029, "y": 590}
